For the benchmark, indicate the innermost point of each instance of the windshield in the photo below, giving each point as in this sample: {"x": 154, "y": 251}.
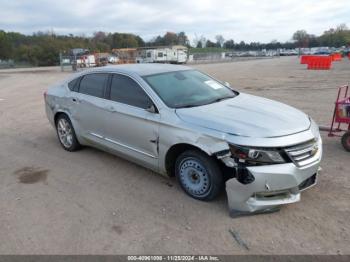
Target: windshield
{"x": 188, "y": 88}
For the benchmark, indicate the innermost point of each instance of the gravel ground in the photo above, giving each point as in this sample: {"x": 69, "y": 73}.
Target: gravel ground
{"x": 91, "y": 202}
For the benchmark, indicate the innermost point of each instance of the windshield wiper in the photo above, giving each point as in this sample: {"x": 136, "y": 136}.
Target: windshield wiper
{"x": 221, "y": 99}
{"x": 210, "y": 102}
{"x": 188, "y": 106}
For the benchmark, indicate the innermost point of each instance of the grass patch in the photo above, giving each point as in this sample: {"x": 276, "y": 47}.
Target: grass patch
{"x": 208, "y": 50}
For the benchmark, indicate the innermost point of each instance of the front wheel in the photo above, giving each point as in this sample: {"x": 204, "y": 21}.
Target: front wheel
{"x": 199, "y": 175}
{"x": 345, "y": 140}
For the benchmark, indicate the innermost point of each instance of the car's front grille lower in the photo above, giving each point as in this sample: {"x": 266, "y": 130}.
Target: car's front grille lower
{"x": 308, "y": 182}
{"x": 273, "y": 195}
{"x": 303, "y": 154}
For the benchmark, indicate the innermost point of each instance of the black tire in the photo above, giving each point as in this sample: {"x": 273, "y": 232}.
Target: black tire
{"x": 345, "y": 140}
{"x": 210, "y": 181}
{"x": 74, "y": 145}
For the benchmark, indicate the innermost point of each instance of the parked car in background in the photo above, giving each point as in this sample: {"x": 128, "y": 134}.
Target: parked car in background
{"x": 322, "y": 52}
{"x": 101, "y": 61}
{"x": 113, "y": 59}
{"x": 180, "y": 122}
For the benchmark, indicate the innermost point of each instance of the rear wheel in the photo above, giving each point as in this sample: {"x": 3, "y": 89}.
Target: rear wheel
{"x": 66, "y": 134}
{"x": 199, "y": 175}
{"x": 345, "y": 140}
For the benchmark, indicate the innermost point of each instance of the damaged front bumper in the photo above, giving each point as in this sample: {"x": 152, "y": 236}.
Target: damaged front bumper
{"x": 272, "y": 186}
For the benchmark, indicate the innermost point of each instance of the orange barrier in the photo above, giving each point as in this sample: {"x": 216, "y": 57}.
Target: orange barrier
{"x": 305, "y": 58}
{"x": 319, "y": 63}
{"x": 336, "y": 57}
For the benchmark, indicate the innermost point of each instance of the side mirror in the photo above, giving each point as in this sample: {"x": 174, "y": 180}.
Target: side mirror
{"x": 227, "y": 84}
{"x": 151, "y": 108}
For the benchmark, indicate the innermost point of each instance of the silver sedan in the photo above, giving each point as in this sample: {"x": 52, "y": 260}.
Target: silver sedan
{"x": 180, "y": 122}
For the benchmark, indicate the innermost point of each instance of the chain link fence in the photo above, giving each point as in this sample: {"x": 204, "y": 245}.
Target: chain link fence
{"x": 200, "y": 58}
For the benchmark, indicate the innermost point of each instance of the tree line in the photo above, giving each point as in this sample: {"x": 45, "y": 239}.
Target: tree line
{"x": 43, "y": 48}
{"x": 338, "y": 37}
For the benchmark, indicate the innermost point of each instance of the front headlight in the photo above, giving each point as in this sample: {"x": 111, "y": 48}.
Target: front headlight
{"x": 256, "y": 156}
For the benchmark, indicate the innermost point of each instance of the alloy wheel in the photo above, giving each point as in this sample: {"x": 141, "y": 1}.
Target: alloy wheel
{"x": 65, "y": 132}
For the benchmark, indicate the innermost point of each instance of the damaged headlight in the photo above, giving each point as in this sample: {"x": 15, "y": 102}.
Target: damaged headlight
{"x": 314, "y": 128}
{"x": 257, "y": 155}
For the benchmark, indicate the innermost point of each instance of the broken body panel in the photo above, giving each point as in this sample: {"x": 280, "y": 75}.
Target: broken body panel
{"x": 273, "y": 185}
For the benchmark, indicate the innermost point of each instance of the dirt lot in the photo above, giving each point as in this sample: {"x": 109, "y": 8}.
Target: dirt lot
{"x": 91, "y": 202}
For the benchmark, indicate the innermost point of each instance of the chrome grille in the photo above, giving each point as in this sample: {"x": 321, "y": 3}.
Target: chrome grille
{"x": 303, "y": 154}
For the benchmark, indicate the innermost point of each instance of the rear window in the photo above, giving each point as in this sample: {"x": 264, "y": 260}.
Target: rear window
{"x": 93, "y": 85}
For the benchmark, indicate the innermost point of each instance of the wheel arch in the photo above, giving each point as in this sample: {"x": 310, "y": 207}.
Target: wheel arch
{"x": 57, "y": 114}
{"x": 173, "y": 152}
{"x": 74, "y": 123}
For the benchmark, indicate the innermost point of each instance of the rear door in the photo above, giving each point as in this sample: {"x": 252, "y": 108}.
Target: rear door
{"x": 131, "y": 129}
{"x": 91, "y": 105}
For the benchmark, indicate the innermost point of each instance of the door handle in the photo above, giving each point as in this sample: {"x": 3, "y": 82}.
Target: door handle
{"x": 75, "y": 100}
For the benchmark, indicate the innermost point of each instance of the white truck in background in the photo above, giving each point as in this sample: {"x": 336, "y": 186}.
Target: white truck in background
{"x": 82, "y": 57}
{"x": 86, "y": 61}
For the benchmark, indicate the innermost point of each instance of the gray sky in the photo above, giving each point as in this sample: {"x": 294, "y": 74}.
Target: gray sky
{"x": 247, "y": 20}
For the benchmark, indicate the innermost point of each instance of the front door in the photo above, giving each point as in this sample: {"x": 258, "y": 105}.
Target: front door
{"x": 130, "y": 128}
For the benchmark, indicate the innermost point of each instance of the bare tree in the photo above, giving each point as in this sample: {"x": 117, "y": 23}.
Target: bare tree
{"x": 199, "y": 39}
{"x": 195, "y": 40}
{"x": 203, "y": 40}
{"x": 301, "y": 37}
{"x": 341, "y": 27}
{"x": 99, "y": 36}
{"x": 220, "y": 40}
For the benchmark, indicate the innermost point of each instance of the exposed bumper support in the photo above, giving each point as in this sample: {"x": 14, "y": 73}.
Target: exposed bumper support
{"x": 262, "y": 189}
{"x": 273, "y": 186}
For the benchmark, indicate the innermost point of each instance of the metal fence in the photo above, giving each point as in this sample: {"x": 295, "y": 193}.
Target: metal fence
{"x": 75, "y": 63}
{"x": 203, "y": 58}
{"x": 5, "y": 64}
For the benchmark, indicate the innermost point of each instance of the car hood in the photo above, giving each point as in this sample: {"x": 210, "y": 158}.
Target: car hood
{"x": 247, "y": 115}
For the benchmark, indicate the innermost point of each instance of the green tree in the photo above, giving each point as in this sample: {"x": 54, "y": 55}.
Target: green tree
{"x": 336, "y": 37}
{"x": 229, "y": 44}
{"x": 122, "y": 40}
{"x": 5, "y": 46}
{"x": 170, "y": 38}
{"x": 182, "y": 39}
{"x": 210, "y": 44}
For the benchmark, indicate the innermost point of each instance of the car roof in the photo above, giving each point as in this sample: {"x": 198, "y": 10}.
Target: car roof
{"x": 143, "y": 69}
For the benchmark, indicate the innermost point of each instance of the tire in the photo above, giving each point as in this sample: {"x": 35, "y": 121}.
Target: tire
{"x": 345, "y": 140}
{"x": 66, "y": 134}
{"x": 198, "y": 175}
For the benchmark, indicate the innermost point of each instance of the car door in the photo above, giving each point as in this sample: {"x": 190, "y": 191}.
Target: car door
{"x": 90, "y": 105}
{"x": 131, "y": 128}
